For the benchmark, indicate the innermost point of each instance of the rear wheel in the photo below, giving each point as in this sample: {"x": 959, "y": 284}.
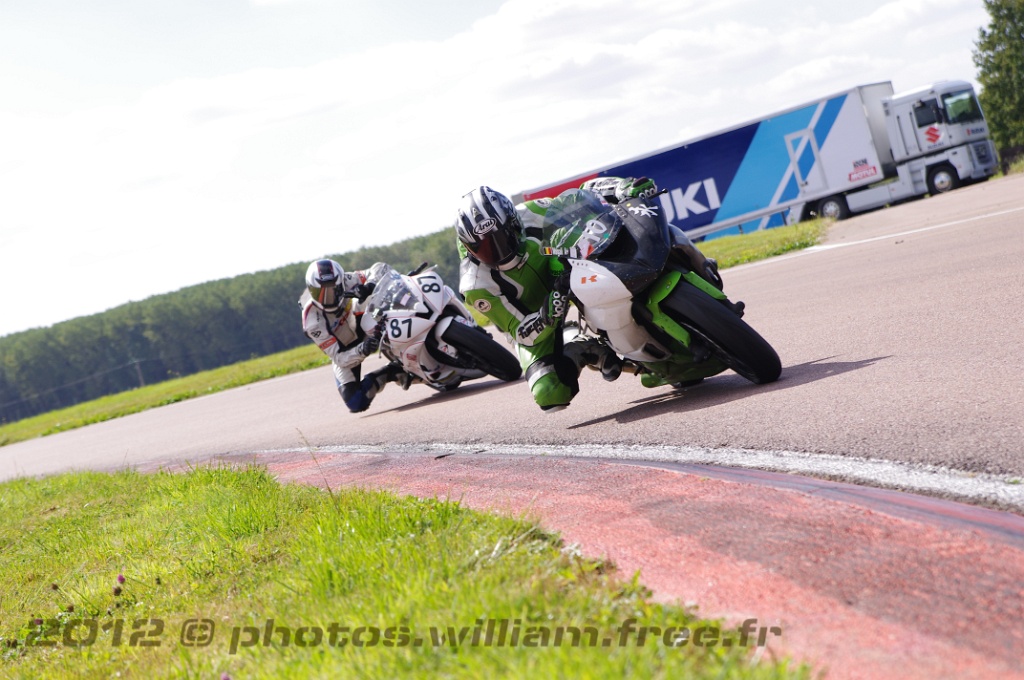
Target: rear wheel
{"x": 833, "y": 208}
{"x": 482, "y": 351}
{"x": 732, "y": 340}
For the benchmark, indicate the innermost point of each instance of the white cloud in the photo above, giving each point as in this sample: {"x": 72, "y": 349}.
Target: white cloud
{"x": 202, "y": 178}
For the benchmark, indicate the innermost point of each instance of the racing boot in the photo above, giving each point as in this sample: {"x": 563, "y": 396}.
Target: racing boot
{"x": 596, "y": 355}
{"x": 399, "y": 375}
{"x": 404, "y": 380}
{"x": 393, "y": 372}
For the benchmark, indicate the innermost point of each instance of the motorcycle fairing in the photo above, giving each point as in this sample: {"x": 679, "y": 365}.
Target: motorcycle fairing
{"x": 409, "y": 307}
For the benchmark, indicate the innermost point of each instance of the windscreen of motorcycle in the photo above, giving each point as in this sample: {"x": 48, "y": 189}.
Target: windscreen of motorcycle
{"x": 392, "y": 292}
{"x": 578, "y": 225}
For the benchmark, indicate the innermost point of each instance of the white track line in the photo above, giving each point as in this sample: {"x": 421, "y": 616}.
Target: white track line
{"x": 1003, "y": 491}
{"x": 832, "y": 246}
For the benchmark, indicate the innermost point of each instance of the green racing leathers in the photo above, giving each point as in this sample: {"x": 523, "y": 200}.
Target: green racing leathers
{"x": 522, "y": 299}
{"x": 513, "y": 297}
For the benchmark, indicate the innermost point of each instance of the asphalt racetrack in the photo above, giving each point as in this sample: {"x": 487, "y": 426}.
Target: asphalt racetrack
{"x": 900, "y": 340}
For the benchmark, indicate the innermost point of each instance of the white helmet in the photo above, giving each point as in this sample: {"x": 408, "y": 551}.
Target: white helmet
{"x": 325, "y": 282}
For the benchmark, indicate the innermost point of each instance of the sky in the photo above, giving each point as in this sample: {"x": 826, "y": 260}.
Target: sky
{"x": 149, "y": 146}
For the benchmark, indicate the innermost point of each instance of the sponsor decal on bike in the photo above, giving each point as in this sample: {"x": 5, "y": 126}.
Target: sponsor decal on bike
{"x": 594, "y": 234}
{"x": 644, "y": 210}
{"x": 557, "y": 304}
{"x": 574, "y": 253}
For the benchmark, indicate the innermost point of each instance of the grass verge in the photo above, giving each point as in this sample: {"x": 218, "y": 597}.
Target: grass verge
{"x": 728, "y": 250}
{"x": 161, "y": 394}
{"x": 760, "y": 245}
{"x": 178, "y": 575}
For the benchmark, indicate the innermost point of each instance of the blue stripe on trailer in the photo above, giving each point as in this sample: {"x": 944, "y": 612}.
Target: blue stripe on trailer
{"x": 767, "y": 157}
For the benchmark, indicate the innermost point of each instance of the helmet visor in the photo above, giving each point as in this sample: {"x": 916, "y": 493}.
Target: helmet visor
{"x": 327, "y": 297}
{"x": 497, "y": 247}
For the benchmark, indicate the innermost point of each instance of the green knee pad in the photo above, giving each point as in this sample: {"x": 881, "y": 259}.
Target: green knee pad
{"x": 554, "y": 381}
{"x": 549, "y": 391}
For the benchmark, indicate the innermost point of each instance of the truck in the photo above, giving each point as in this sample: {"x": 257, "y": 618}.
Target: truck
{"x": 845, "y": 153}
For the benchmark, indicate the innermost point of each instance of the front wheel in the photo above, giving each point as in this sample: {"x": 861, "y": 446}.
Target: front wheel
{"x": 732, "y": 340}
{"x": 483, "y": 351}
{"x": 942, "y": 178}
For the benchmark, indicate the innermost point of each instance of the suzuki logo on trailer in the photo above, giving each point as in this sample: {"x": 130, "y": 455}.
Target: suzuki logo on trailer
{"x": 933, "y": 134}
{"x": 685, "y": 203}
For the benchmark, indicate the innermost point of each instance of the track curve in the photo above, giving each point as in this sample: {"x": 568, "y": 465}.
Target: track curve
{"x": 899, "y": 341}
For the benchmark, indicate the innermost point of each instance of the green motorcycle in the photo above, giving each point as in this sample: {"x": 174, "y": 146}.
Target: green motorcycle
{"x": 636, "y": 290}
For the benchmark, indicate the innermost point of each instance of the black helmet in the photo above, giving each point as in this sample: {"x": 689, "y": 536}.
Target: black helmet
{"x": 488, "y": 226}
{"x": 325, "y": 282}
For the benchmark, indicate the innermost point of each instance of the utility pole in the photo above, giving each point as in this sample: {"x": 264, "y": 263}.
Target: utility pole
{"x": 138, "y": 371}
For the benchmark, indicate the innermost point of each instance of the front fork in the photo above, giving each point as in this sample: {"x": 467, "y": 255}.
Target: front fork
{"x": 696, "y": 361}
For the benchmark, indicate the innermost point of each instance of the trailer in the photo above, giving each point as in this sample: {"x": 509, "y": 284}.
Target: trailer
{"x": 849, "y": 152}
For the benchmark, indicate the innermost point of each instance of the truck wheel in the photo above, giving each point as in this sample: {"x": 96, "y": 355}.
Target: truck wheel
{"x": 833, "y": 208}
{"x": 942, "y": 178}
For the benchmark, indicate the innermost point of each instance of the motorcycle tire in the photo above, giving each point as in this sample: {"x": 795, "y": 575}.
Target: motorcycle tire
{"x": 731, "y": 339}
{"x": 487, "y": 354}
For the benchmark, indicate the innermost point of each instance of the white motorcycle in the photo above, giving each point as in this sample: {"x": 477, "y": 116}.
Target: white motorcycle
{"x": 425, "y": 327}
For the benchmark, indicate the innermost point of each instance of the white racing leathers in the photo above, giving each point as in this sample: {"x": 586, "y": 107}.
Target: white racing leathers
{"x": 339, "y": 335}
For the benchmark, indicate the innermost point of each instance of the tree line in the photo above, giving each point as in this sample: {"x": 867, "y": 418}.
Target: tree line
{"x": 999, "y": 56}
{"x": 175, "y": 334}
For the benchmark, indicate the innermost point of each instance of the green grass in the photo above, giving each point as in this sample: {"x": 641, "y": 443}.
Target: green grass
{"x": 728, "y": 250}
{"x": 161, "y": 394}
{"x": 759, "y": 245}
{"x": 89, "y": 552}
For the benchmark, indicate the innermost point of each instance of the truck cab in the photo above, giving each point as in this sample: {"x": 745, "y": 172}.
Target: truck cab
{"x": 941, "y": 124}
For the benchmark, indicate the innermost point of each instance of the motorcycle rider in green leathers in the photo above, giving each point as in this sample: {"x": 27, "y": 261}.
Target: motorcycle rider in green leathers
{"x": 505, "y": 277}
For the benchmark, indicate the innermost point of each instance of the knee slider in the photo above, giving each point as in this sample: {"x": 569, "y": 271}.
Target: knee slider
{"x": 355, "y": 397}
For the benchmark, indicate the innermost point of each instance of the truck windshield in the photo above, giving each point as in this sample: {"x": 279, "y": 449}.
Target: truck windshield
{"x": 962, "y": 107}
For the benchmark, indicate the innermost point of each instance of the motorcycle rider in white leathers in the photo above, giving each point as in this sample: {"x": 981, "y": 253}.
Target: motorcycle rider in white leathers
{"x": 332, "y": 321}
